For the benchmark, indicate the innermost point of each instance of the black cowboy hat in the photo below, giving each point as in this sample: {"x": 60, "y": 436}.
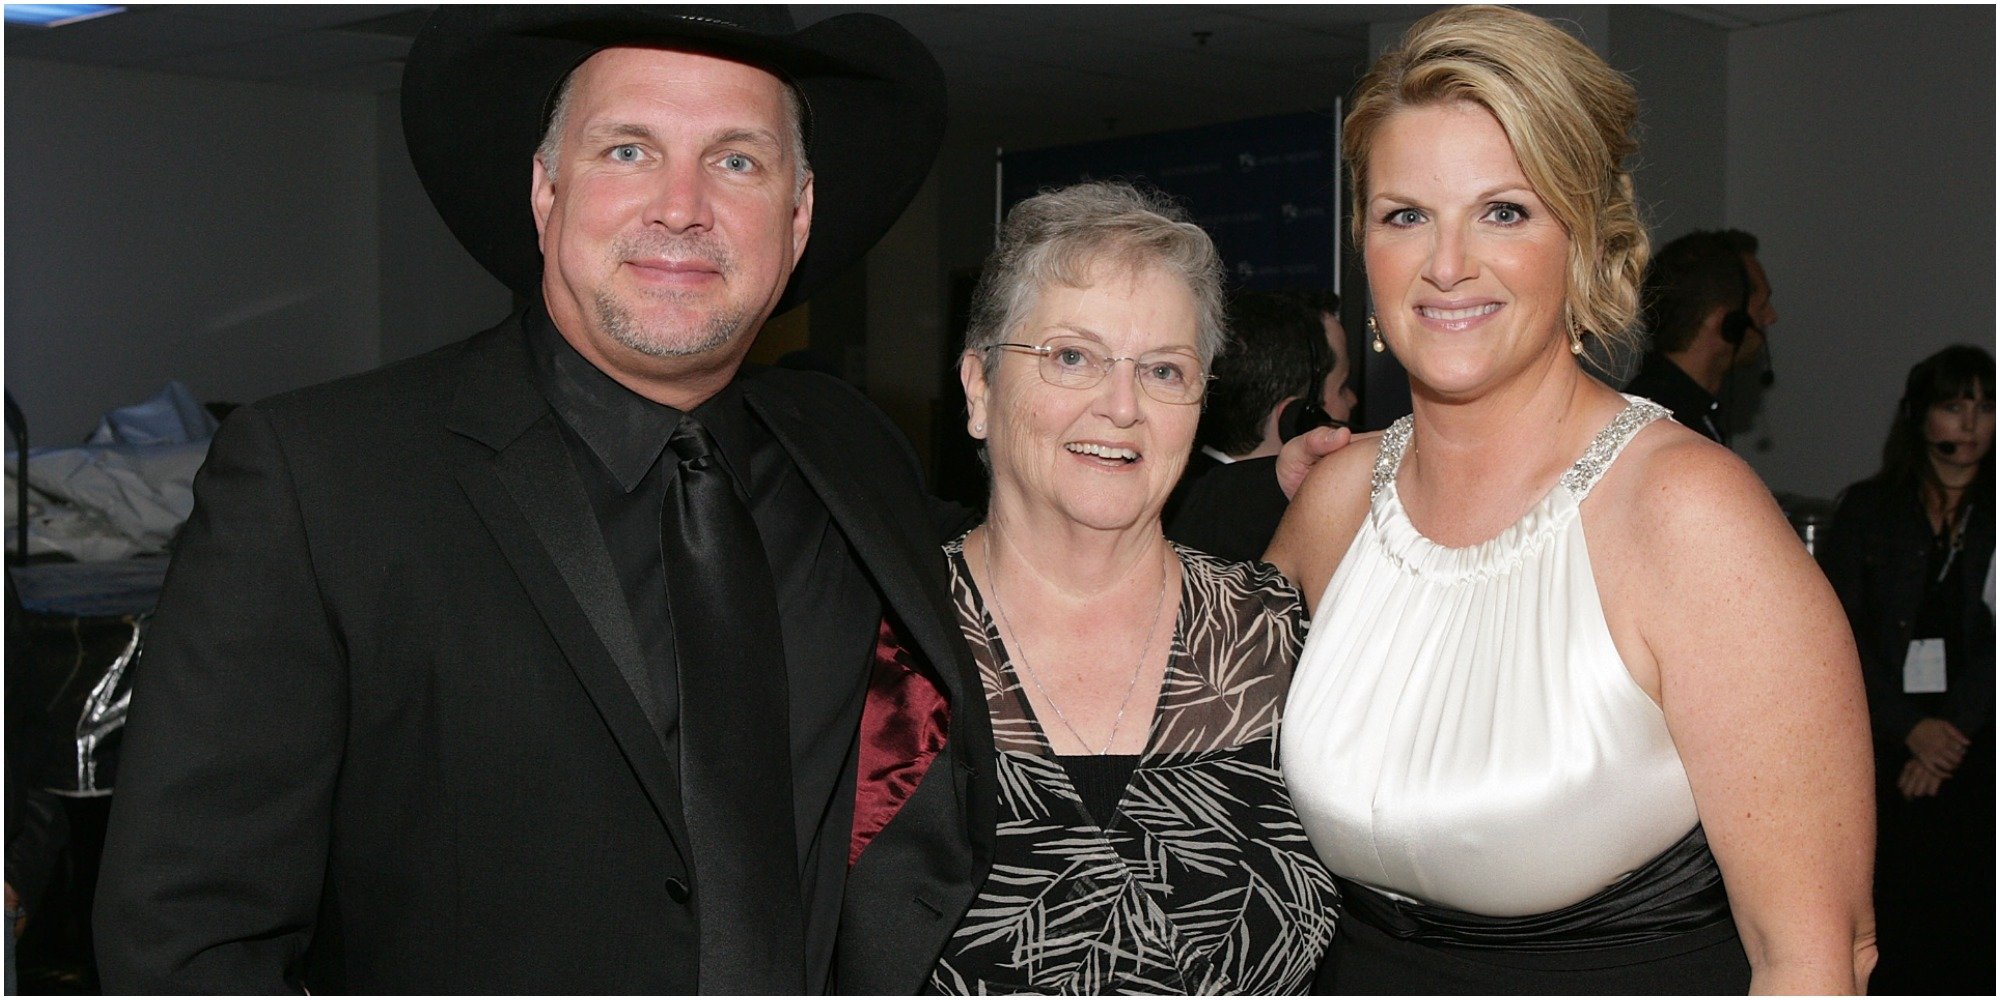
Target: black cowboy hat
{"x": 480, "y": 81}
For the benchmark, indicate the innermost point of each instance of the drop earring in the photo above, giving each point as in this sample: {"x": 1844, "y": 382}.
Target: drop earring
{"x": 1375, "y": 335}
{"x": 1575, "y": 339}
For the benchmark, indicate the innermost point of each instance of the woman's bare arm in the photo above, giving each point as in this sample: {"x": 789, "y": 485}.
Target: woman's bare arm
{"x": 1755, "y": 668}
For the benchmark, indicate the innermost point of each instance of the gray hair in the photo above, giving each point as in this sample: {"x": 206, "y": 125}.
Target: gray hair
{"x": 1061, "y": 235}
{"x": 549, "y": 152}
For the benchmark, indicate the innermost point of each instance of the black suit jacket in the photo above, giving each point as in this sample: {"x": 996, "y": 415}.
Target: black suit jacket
{"x": 1663, "y": 382}
{"x": 384, "y": 736}
{"x": 1199, "y": 464}
{"x": 1232, "y": 510}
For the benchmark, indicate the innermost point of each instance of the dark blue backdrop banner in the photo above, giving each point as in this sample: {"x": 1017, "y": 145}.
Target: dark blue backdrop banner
{"x": 1263, "y": 188}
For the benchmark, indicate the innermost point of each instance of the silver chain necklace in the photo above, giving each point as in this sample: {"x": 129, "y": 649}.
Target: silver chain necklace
{"x": 1021, "y": 653}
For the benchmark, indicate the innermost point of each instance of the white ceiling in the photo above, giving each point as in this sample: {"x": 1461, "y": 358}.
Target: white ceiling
{"x": 1020, "y": 75}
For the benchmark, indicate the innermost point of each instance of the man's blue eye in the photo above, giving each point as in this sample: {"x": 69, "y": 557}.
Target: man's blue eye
{"x": 736, "y": 162}
{"x": 625, "y": 154}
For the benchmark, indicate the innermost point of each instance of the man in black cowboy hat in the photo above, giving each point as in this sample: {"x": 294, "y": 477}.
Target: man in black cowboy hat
{"x": 546, "y": 663}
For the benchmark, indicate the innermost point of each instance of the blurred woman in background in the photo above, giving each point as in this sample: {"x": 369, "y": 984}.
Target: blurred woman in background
{"x": 1910, "y": 553}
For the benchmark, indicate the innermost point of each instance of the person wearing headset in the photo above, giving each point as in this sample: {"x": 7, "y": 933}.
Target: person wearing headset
{"x": 1707, "y": 306}
{"x": 1285, "y": 373}
{"x": 1909, "y": 553}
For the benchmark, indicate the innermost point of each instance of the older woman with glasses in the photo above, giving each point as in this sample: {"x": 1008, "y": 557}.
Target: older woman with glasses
{"x": 1144, "y": 841}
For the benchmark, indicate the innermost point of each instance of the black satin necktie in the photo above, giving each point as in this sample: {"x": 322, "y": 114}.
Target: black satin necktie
{"x": 736, "y": 770}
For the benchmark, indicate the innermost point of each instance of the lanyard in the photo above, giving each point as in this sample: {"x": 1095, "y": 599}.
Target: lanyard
{"x": 1957, "y": 543}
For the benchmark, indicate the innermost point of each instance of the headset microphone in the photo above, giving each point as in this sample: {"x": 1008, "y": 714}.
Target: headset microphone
{"x": 1737, "y": 325}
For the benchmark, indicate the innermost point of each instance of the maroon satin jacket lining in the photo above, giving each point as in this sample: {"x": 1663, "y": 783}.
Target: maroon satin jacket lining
{"x": 903, "y": 726}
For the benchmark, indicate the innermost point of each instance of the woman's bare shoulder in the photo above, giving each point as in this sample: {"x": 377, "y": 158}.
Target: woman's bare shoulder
{"x": 1673, "y": 486}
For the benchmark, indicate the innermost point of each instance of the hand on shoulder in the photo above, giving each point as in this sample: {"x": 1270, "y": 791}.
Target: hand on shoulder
{"x": 1299, "y": 455}
{"x": 1324, "y": 515}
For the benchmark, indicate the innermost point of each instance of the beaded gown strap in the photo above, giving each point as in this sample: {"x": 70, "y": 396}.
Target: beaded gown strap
{"x": 1604, "y": 448}
{"x": 1395, "y": 441}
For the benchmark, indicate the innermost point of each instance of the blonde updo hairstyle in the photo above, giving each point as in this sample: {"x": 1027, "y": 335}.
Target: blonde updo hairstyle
{"x": 1569, "y": 118}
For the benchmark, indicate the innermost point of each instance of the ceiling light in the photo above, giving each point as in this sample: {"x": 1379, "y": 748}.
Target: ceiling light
{"x": 55, "y": 15}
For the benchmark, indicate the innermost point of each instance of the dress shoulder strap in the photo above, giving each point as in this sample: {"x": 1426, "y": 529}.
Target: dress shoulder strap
{"x": 1395, "y": 441}
{"x": 1604, "y": 448}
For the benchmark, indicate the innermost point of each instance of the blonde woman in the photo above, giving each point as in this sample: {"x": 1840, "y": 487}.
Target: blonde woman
{"x": 1577, "y": 713}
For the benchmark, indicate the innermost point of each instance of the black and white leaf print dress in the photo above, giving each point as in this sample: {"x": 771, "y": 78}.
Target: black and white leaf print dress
{"x": 1202, "y": 881}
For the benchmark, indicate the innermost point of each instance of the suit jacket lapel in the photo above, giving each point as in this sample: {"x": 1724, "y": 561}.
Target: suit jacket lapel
{"x": 905, "y": 893}
{"x": 531, "y": 498}
{"x": 892, "y": 553}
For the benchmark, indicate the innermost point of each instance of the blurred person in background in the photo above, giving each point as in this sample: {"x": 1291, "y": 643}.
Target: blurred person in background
{"x": 1910, "y": 551}
{"x": 1285, "y": 372}
{"x": 1707, "y": 306}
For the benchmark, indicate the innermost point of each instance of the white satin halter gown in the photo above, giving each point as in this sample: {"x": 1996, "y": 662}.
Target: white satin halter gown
{"x": 1461, "y": 730}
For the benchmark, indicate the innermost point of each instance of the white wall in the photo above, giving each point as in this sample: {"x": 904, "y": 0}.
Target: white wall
{"x": 162, "y": 227}
{"x": 1680, "y": 68}
{"x": 1860, "y": 151}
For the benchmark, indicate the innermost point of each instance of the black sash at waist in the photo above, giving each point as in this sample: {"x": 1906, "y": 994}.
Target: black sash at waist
{"x": 1675, "y": 894}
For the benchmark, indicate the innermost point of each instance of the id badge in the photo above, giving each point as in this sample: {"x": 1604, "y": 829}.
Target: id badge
{"x": 1923, "y": 667}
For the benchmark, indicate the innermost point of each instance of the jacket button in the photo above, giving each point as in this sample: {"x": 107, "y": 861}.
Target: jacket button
{"x": 677, "y": 890}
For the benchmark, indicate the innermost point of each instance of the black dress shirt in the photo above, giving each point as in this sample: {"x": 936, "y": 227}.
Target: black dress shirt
{"x": 1663, "y": 382}
{"x": 828, "y": 608}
